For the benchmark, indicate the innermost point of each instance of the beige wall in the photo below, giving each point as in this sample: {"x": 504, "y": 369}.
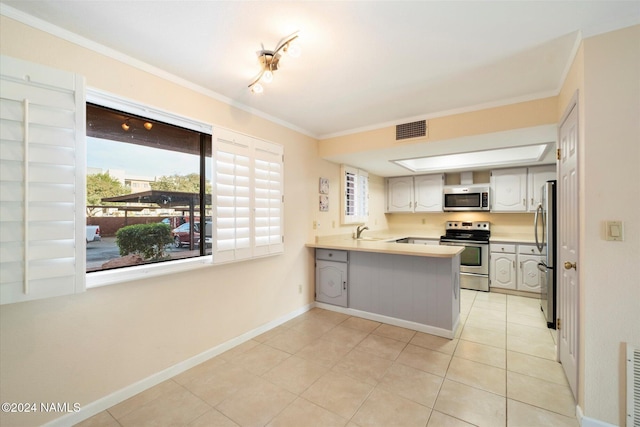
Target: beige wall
{"x": 610, "y": 185}
{"x": 84, "y": 347}
{"x": 509, "y": 117}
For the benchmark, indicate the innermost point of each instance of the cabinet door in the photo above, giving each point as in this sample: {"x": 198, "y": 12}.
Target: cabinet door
{"x": 536, "y": 178}
{"x": 428, "y": 193}
{"x": 503, "y": 270}
{"x": 400, "y": 194}
{"x": 331, "y": 282}
{"x": 529, "y": 275}
{"x": 509, "y": 190}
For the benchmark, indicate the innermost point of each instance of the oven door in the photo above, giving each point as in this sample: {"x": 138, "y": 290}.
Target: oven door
{"x": 475, "y": 257}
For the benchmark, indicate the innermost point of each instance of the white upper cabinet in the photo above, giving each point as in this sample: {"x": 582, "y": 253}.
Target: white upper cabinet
{"x": 537, "y": 176}
{"x": 509, "y": 190}
{"x": 428, "y": 193}
{"x": 421, "y": 193}
{"x": 518, "y": 189}
{"x": 400, "y": 194}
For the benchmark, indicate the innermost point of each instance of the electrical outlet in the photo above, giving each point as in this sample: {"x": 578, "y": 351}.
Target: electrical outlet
{"x": 333, "y": 224}
{"x": 300, "y": 288}
{"x": 424, "y": 220}
{"x": 315, "y": 225}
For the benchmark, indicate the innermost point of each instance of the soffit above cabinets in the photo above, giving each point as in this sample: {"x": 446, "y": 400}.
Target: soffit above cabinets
{"x": 475, "y": 150}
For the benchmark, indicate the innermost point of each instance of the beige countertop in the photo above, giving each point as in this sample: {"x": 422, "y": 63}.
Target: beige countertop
{"x": 384, "y": 242}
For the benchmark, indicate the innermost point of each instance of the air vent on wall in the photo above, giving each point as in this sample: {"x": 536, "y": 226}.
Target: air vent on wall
{"x": 411, "y": 130}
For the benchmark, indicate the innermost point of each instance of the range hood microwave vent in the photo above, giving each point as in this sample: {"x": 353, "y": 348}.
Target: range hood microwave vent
{"x": 411, "y": 130}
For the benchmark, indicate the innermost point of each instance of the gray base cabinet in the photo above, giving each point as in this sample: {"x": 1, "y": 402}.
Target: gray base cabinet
{"x": 417, "y": 289}
{"x": 332, "y": 277}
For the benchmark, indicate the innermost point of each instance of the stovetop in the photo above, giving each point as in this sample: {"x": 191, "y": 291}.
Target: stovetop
{"x": 472, "y": 230}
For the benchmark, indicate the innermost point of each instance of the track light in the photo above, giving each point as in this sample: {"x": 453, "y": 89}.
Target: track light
{"x": 270, "y": 59}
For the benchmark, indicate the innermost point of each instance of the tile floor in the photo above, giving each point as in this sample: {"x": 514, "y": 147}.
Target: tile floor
{"x": 328, "y": 369}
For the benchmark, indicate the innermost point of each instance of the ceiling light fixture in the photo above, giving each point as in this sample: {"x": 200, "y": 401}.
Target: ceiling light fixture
{"x": 270, "y": 59}
{"x": 125, "y": 125}
{"x": 148, "y": 125}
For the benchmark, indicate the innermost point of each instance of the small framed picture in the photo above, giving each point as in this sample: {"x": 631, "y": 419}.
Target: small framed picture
{"x": 324, "y": 203}
{"x": 324, "y": 185}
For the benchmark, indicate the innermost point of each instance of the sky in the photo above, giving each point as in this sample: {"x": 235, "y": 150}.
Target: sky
{"x": 138, "y": 160}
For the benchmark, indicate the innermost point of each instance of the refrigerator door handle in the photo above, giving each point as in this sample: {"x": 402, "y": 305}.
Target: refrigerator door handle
{"x": 539, "y": 213}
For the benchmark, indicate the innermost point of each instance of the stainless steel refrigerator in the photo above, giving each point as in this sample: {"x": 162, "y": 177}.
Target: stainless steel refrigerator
{"x": 545, "y": 233}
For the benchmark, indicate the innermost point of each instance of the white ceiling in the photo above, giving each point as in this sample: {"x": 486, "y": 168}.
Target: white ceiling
{"x": 364, "y": 63}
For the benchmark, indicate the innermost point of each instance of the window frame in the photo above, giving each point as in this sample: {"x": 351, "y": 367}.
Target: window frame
{"x": 109, "y": 277}
{"x": 114, "y": 276}
{"x": 354, "y": 184}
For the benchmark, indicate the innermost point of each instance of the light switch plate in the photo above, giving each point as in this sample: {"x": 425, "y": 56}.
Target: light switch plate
{"x": 614, "y": 231}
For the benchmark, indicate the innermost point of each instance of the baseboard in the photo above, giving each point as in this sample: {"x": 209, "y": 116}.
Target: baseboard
{"x": 392, "y": 320}
{"x": 590, "y": 422}
{"x": 93, "y": 408}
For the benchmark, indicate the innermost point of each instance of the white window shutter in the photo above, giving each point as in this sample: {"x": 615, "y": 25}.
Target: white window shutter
{"x": 42, "y": 175}
{"x": 247, "y": 195}
{"x": 355, "y": 200}
{"x": 231, "y": 197}
{"x": 268, "y": 209}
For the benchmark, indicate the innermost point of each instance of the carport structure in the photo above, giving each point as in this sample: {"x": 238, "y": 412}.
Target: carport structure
{"x": 177, "y": 200}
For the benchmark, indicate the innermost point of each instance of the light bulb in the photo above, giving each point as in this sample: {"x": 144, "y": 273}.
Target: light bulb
{"x": 257, "y": 88}
{"x": 125, "y": 126}
{"x": 267, "y": 77}
{"x": 293, "y": 50}
{"x": 148, "y": 125}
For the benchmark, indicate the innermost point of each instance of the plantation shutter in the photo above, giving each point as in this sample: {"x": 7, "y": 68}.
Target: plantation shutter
{"x": 232, "y": 197}
{"x": 42, "y": 193}
{"x": 248, "y": 197}
{"x": 268, "y": 184}
{"x": 355, "y": 200}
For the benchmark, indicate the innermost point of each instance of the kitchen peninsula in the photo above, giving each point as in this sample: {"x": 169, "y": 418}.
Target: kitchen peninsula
{"x": 411, "y": 286}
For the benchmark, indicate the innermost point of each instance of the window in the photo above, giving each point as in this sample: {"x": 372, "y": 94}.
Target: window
{"x": 355, "y": 190}
{"x": 152, "y": 179}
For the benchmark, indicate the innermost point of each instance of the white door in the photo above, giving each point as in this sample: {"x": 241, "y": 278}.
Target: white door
{"x": 568, "y": 228}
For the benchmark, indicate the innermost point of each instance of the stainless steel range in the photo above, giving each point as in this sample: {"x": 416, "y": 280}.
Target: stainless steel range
{"x": 474, "y": 260}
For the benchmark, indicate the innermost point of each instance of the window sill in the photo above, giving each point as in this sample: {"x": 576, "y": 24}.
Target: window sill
{"x": 128, "y": 274}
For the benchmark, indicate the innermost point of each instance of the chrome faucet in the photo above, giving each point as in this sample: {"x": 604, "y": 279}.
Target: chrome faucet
{"x": 359, "y": 230}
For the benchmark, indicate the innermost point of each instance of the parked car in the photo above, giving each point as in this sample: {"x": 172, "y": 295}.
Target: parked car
{"x": 93, "y": 233}
{"x": 181, "y": 234}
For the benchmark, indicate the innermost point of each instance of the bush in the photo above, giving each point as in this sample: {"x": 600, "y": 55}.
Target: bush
{"x": 147, "y": 240}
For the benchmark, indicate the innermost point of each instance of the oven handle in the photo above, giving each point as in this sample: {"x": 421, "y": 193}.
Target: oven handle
{"x": 462, "y": 243}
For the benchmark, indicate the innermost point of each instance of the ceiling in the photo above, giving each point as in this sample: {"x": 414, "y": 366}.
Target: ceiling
{"x": 364, "y": 64}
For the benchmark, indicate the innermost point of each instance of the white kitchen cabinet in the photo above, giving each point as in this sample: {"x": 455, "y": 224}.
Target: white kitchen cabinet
{"x": 332, "y": 277}
{"x": 528, "y": 273}
{"x": 536, "y": 177}
{"x": 509, "y": 190}
{"x": 422, "y": 193}
{"x": 515, "y": 266}
{"x": 428, "y": 193}
{"x": 400, "y": 194}
{"x": 502, "y": 267}
{"x": 518, "y": 189}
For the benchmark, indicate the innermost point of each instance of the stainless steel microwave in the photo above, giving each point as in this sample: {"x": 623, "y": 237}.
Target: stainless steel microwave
{"x": 466, "y": 198}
